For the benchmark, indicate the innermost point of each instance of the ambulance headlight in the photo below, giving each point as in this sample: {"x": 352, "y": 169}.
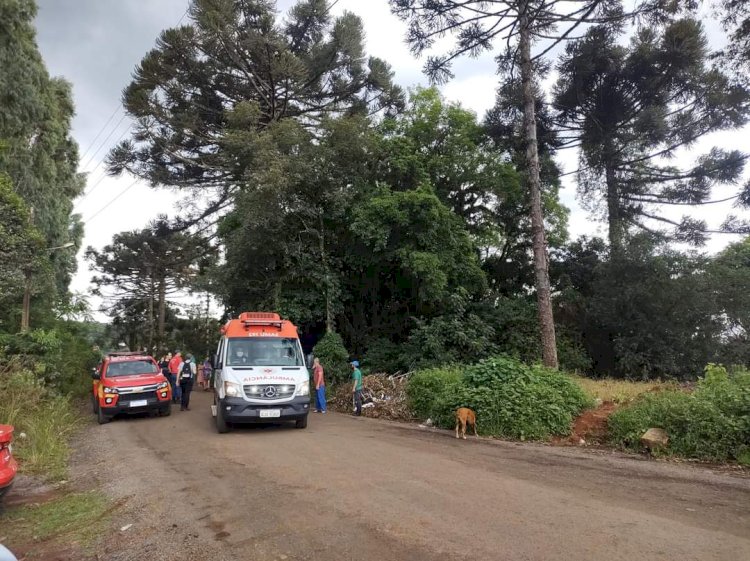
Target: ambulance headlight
{"x": 232, "y": 390}
{"x": 304, "y": 388}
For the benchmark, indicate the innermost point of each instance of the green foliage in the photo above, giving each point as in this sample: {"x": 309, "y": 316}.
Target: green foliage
{"x": 19, "y": 242}
{"x": 630, "y": 106}
{"x": 37, "y": 151}
{"x": 141, "y": 269}
{"x": 47, "y": 418}
{"x": 712, "y": 423}
{"x": 79, "y": 517}
{"x": 61, "y": 358}
{"x": 433, "y": 393}
{"x": 518, "y": 401}
{"x": 511, "y": 399}
{"x": 333, "y": 357}
{"x": 650, "y": 311}
{"x": 383, "y": 355}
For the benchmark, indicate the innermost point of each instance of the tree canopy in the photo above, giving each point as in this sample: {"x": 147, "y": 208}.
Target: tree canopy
{"x": 630, "y": 108}
{"x": 37, "y": 153}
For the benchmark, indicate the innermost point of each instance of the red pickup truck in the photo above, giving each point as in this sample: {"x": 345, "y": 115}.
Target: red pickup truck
{"x": 8, "y": 465}
{"x": 129, "y": 382}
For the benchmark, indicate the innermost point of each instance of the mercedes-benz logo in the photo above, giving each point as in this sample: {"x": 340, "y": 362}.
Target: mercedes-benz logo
{"x": 270, "y": 391}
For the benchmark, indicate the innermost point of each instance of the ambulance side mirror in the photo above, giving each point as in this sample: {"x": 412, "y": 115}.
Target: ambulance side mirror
{"x": 95, "y": 374}
{"x": 309, "y": 361}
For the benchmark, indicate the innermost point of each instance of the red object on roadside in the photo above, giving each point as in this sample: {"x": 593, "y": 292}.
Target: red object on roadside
{"x": 8, "y": 465}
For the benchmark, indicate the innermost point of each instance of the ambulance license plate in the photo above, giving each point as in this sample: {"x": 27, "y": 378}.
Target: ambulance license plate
{"x": 270, "y": 413}
{"x": 139, "y": 403}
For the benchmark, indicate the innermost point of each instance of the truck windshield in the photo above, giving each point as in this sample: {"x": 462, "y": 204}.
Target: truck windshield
{"x": 131, "y": 368}
{"x": 264, "y": 351}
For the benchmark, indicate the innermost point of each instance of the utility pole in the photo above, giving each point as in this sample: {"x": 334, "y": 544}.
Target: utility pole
{"x": 26, "y": 309}
{"x": 27, "y": 274}
{"x": 26, "y": 306}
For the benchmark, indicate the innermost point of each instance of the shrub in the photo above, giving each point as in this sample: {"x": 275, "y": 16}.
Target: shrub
{"x": 511, "y": 399}
{"x": 61, "y": 358}
{"x": 47, "y": 419}
{"x": 434, "y": 393}
{"x": 712, "y": 423}
{"x": 518, "y": 401}
{"x": 333, "y": 356}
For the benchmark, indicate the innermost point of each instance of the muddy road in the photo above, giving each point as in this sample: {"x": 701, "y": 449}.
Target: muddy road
{"x": 348, "y": 488}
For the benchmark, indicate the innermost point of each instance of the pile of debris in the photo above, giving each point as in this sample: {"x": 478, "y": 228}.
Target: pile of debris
{"x": 383, "y": 397}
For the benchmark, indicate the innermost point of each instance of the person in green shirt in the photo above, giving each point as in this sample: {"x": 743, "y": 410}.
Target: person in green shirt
{"x": 357, "y": 387}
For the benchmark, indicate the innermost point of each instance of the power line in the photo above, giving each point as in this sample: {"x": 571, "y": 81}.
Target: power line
{"x": 104, "y": 142}
{"x": 90, "y": 218}
{"x": 101, "y": 130}
{"x": 98, "y": 181}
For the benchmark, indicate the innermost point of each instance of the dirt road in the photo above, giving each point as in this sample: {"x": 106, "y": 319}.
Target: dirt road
{"x": 348, "y": 488}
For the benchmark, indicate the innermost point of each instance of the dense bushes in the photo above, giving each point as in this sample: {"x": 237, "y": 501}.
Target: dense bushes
{"x": 434, "y": 393}
{"x": 333, "y": 356}
{"x": 46, "y": 418}
{"x": 511, "y": 398}
{"x": 61, "y": 358}
{"x": 41, "y": 372}
{"x": 711, "y": 423}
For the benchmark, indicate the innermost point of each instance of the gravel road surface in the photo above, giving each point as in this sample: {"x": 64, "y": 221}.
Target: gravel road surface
{"x": 357, "y": 489}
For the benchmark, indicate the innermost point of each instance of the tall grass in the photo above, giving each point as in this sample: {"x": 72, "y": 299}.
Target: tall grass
{"x": 44, "y": 422}
{"x": 616, "y": 391}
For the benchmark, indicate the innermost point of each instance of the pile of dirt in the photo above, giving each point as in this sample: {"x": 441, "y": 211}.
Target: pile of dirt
{"x": 383, "y": 397}
{"x": 590, "y": 427}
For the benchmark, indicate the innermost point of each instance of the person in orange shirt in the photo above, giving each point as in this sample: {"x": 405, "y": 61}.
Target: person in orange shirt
{"x": 175, "y": 365}
{"x": 320, "y": 387}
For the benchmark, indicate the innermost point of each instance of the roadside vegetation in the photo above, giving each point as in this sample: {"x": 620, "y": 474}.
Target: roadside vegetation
{"x": 710, "y": 423}
{"x": 43, "y": 374}
{"x": 512, "y": 399}
{"x": 75, "y": 519}
{"x": 617, "y": 391}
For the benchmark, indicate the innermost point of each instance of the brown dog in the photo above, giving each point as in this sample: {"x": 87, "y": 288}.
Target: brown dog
{"x": 465, "y": 416}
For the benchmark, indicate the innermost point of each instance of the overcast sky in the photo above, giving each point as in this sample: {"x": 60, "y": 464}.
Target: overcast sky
{"x": 95, "y": 44}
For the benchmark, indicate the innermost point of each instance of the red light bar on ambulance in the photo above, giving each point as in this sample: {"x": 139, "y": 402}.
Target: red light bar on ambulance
{"x": 260, "y": 318}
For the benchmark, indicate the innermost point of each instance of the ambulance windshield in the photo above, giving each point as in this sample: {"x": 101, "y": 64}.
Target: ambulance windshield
{"x": 264, "y": 351}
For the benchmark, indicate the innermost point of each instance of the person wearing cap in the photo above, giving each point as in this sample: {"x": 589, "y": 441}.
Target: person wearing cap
{"x": 187, "y": 379}
{"x": 357, "y": 387}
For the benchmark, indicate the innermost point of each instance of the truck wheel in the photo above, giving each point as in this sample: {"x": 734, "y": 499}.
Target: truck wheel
{"x": 94, "y": 403}
{"x": 101, "y": 418}
{"x": 221, "y": 424}
{"x": 166, "y": 411}
{"x": 301, "y": 423}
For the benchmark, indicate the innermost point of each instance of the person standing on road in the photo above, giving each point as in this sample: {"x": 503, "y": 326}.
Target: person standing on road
{"x": 320, "y": 387}
{"x": 175, "y": 365}
{"x": 187, "y": 378}
{"x": 206, "y": 370}
{"x": 357, "y": 387}
{"x": 164, "y": 366}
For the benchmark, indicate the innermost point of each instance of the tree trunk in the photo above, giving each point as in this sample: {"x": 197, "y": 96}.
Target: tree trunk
{"x": 151, "y": 297}
{"x": 614, "y": 217}
{"x": 162, "y": 310}
{"x": 327, "y": 279}
{"x": 543, "y": 292}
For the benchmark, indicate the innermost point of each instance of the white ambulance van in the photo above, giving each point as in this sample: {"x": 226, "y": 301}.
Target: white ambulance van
{"x": 260, "y": 374}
